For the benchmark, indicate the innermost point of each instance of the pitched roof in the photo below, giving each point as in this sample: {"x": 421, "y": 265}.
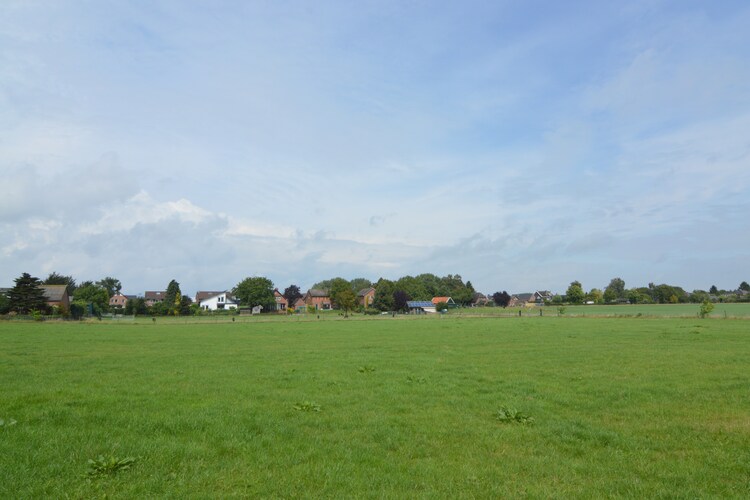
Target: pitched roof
{"x": 203, "y": 295}
{"x": 230, "y": 297}
{"x": 155, "y": 295}
{"x": 54, "y": 293}
{"x": 365, "y": 291}
{"x": 436, "y": 300}
{"x": 316, "y": 292}
{"x": 523, "y": 296}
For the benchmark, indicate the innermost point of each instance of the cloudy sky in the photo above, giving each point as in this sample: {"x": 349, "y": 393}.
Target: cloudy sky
{"x": 520, "y": 144}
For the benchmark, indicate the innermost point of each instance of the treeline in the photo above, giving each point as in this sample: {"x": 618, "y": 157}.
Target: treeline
{"x": 617, "y": 293}
{"x": 393, "y": 295}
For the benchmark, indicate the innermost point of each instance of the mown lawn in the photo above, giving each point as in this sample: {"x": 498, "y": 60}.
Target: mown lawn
{"x": 621, "y": 407}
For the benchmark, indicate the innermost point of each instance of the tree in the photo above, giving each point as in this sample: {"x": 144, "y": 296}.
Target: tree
{"x": 400, "y": 299}
{"x": 713, "y": 290}
{"x": 744, "y": 286}
{"x": 112, "y": 285}
{"x": 173, "y": 298}
{"x": 595, "y": 296}
{"x": 185, "y": 303}
{"x": 615, "y": 290}
{"x": 27, "y": 295}
{"x": 58, "y": 279}
{"x": 502, "y": 299}
{"x": 338, "y": 287}
{"x": 4, "y": 303}
{"x": 358, "y": 284}
{"x": 383, "y": 300}
{"x": 706, "y": 307}
{"x": 136, "y": 306}
{"x": 257, "y": 291}
{"x": 575, "y": 293}
{"x": 291, "y": 294}
{"x": 94, "y": 295}
{"x": 346, "y": 300}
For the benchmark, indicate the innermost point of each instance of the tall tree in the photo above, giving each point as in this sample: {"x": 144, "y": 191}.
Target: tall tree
{"x": 257, "y": 291}
{"x": 575, "y": 293}
{"x": 615, "y": 290}
{"x": 744, "y": 286}
{"x": 400, "y": 299}
{"x": 337, "y": 289}
{"x": 291, "y": 294}
{"x": 173, "y": 298}
{"x": 358, "y": 284}
{"x": 112, "y": 285}
{"x": 346, "y": 300}
{"x": 27, "y": 295}
{"x": 55, "y": 278}
{"x": 383, "y": 300}
{"x": 502, "y": 299}
{"x": 713, "y": 290}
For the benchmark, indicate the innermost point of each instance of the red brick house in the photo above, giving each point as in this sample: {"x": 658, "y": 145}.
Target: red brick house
{"x": 366, "y": 296}
{"x": 318, "y": 299}
{"x": 154, "y": 297}
{"x": 281, "y": 302}
{"x": 57, "y": 296}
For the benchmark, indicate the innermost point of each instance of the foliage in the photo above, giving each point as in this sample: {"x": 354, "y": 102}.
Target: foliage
{"x": 561, "y": 310}
{"x": 307, "y": 406}
{"x": 112, "y": 285}
{"x": 291, "y": 294}
{"x": 595, "y": 296}
{"x": 27, "y": 295}
{"x": 358, "y": 284}
{"x": 502, "y": 299}
{"x": 400, "y": 299}
{"x": 173, "y": 298}
{"x": 101, "y": 466}
{"x": 345, "y": 300}
{"x": 4, "y": 303}
{"x": 713, "y": 290}
{"x": 55, "y": 278}
{"x": 441, "y": 306}
{"x": 575, "y": 294}
{"x": 508, "y": 415}
{"x": 384, "y": 295}
{"x": 706, "y": 307}
{"x": 615, "y": 290}
{"x": 366, "y": 369}
{"x": 136, "y": 306}
{"x": 95, "y": 295}
{"x": 744, "y": 286}
{"x": 256, "y": 291}
{"x": 7, "y": 423}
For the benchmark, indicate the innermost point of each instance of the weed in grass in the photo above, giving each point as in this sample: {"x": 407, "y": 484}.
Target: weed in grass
{"x": 416, "y": 380}
{"x": 513, "y": 416}
{"x": 8, "y": 423}
{"x": 307, "y": 406}
{"x": 366, "y": 369}
{"x": 106, "y": 466}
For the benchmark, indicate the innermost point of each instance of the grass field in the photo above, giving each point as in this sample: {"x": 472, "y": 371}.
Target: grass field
{"x": 622, "y": 407}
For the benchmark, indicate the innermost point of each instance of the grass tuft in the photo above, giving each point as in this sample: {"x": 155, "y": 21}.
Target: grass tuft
{"x": 106, "y": 466}
{"x": 513, "y": 416}
{"x": 307, "y": 406}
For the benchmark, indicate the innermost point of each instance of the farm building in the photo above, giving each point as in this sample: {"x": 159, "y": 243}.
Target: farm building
{"x": 420, "y": 306}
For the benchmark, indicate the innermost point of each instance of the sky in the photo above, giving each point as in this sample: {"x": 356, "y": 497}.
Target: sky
{"x": 520, "y": 144}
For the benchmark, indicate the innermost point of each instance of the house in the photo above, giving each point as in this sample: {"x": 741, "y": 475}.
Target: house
{"x": 366, "y": 297}
{"x": 480, "y": 300}
{"x": 220, "y": 301}
{"x": 520, "y": 299}
{"x": 420, "y": 306}
{"x": 299, "y": 305}
{"x": 448, "y": 301}
{"x": 318, "y": 299}
{"x": 56, "y": 295}
{"x": 281, "y": 302}
{"x": 120, "y": 300}
{"x": 154, "y": 298}
{"x": 540, "y": 297}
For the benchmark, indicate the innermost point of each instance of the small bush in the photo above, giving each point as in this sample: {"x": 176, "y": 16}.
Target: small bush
{"x": 366, "y": 369}
{"x": 706, "y": 307}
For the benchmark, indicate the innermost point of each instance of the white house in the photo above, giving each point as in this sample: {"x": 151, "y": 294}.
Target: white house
{"x": 222, "y": 300}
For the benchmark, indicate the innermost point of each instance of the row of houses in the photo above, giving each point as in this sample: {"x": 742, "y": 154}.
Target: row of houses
{"x": 224, "y": 300}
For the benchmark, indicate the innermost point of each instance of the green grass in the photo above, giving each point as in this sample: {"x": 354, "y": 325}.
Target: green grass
{"x": 380, "y": 408}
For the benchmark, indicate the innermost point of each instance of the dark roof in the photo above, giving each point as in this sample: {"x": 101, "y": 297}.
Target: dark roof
{"x": 203, "y": 295}
{"x": 524, "y": 296}
{"x": 365, "y": 291}
{"x": 55, "y": 293}
{"x": 155, "y": 295}
{"x": 419, "y": 303}
{"x": 230, "y": 297}
{"x": 316, "y": 292}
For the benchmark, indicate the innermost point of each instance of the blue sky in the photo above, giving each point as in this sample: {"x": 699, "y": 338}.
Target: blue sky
{"x": 522, "y": 145}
